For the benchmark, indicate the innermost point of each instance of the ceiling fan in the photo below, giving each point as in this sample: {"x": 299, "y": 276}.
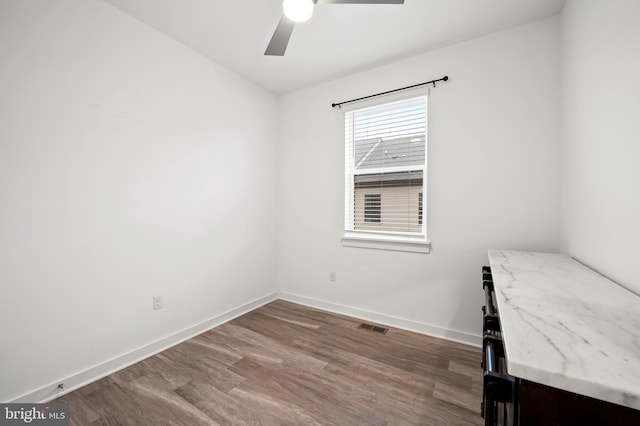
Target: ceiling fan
{"x": 300, "y": 11}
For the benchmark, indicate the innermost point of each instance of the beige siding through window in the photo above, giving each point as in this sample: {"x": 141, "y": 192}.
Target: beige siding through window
{"x": 399, "y": 209}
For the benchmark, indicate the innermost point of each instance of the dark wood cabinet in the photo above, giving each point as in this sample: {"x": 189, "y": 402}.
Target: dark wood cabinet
{"x": 511, "y": 401}
{"x": 543, "y": 405}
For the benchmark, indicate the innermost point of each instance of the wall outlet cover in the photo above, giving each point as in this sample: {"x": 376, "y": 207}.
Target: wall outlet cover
{"x": 157, "y": 302}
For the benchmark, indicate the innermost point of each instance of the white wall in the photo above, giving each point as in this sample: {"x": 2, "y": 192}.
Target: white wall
{"x": 130, "y": 166}
{"x": 493, "y": 160}
{"x": 601, "y": 140}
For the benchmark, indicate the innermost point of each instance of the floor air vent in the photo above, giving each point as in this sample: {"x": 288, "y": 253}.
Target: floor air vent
{"x": 372, "y": 327}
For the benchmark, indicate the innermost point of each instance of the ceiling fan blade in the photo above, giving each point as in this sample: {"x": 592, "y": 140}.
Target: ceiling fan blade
{"x": 280, "y": 39}
{"x": 359, "y": 1}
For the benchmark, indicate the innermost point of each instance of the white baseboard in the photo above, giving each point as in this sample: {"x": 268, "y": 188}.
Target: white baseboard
{"x": 83, "y": 378}
{"x": 409, "y": 325}
{"x": 75, "y": 381}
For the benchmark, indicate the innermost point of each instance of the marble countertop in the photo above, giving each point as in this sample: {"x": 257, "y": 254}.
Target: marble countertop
{"x": 568, "y": 327}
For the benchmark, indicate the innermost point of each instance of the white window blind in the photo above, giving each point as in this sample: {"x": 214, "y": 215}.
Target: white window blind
{"x": 385, "y": 169}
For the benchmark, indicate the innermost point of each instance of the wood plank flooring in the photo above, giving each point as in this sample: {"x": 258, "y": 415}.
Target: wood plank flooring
{"x": 287, "y": 364}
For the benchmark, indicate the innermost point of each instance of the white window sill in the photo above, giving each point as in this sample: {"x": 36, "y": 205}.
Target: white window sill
{"x": 383, "y": 241}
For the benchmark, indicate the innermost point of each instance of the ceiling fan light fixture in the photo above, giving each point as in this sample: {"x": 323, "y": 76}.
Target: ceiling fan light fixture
{"x": 298, "y": 10}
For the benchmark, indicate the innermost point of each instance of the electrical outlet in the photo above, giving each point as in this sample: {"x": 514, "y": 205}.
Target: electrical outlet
{"x": 332, "y": 276}
{"x": 157, "y": 302}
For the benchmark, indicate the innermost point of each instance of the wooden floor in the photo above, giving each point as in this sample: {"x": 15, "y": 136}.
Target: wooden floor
{"x": 286, "y": 364}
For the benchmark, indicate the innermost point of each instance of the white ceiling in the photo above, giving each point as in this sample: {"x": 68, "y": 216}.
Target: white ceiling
{"x": 338, "y": 40}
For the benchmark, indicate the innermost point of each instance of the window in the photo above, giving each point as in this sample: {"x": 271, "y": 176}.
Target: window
{"x": 385, "y": 166}
{"x": 372, "y": 208}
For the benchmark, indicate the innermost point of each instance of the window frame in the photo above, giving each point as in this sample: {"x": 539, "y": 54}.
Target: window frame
{"x": 385, "y": 240}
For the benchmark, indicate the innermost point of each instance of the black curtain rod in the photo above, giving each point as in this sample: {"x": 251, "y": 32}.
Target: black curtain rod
{"x": 339, "y": 104}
